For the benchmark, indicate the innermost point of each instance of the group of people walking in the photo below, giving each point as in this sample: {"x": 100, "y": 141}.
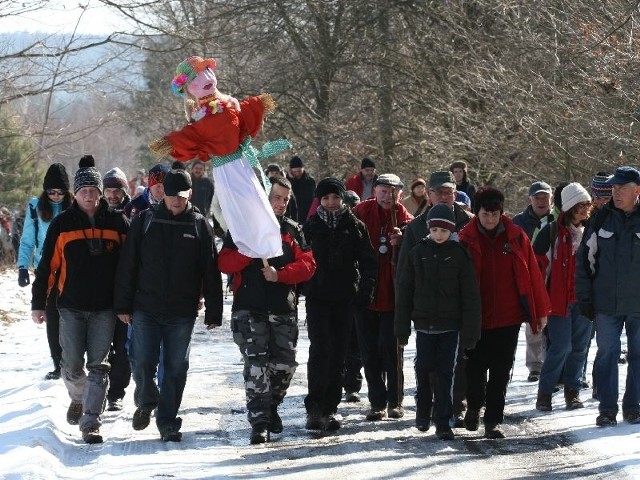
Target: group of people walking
{"x": 461, "y": 271}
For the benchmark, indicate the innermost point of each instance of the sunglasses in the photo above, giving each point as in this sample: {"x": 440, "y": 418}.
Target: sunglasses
{"x": 55, "y": 192}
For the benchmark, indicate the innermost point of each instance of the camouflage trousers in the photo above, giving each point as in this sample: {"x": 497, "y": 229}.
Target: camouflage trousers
{"x": 268, "y": 347}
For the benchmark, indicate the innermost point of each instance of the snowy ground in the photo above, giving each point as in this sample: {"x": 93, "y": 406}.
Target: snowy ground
{"x": 37, "y": 443}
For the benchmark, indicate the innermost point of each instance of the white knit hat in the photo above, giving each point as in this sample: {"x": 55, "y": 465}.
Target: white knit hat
{"x": 573, "y": 194}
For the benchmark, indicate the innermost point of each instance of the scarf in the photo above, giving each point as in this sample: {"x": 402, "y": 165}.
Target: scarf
{"x": 331, "y": 218}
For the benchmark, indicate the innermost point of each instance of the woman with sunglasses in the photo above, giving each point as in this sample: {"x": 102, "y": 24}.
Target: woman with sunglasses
{"x": 55, "y": 198}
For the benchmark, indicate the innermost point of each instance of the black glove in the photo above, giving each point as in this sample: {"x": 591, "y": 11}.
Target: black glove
{"x": 586, "y": 310}
{"x": 23, "y": 277}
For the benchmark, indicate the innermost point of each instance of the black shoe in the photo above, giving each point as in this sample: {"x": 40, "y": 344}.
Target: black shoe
{"x": 332, "y": 423}
{"x": 606, "y": 420}
{"x": 275, "y": 422}
{"x": 115, "y": 405}
{"x": 472, "y": 420}
{"x": 351, "y": 397}
{"x": 376, "y": 414}
{"x": 141, "y": 419}
{"x": 631, "y": 417}
{"x": 259, "y": 434}
{"x": 92, "y": 435}
{"x": 171, "y": 434}
{"x": 584, "y": 385}
{"x": 316, "y": 421}
{"x": 493, "y": 432}
{"x": 444, "y": 433}
{"x": 395, "y": 412}
{"x": 533, "y": 376}
{"x": 74, "y": 412}
{"x": 53, "y": 375}
{"x": 422, "y": 424}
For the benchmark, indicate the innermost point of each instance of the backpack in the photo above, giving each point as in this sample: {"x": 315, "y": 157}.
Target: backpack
{"x": 149, "y": 217}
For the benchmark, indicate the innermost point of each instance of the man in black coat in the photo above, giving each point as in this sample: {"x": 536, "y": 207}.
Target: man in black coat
{"x": 168, "y": 263}
{"x": 303, "y": 187}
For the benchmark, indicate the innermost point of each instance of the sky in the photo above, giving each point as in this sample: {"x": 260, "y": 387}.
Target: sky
{"x": 37, "y": 443}
{"x": 61, "y": 16}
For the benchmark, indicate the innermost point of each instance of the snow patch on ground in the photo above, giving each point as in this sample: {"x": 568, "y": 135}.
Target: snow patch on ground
{"x": 37, "y": 443}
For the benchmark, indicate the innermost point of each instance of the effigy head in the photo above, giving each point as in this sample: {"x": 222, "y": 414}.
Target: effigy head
{"x": 196, "y": 69}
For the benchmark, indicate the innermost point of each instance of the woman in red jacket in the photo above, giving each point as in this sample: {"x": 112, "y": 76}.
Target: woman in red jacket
{"x": 512, "y": 292}
{"x": 568, "y": 332}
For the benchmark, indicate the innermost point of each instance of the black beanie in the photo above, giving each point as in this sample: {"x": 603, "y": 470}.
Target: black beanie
{"x": 330, "y": 185}
{"x": 441, "y": 216}
{"x": 296, "y": 162}
{"x": 367, "y": 163}
{"x": 87, "y": 175}
{"x": 56, "y": 177}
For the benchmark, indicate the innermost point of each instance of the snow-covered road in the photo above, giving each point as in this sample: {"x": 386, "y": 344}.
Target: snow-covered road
{"x": 37, "y": 443}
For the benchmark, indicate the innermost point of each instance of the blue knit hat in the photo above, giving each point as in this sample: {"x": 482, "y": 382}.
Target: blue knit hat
{"x": 599, "y": 185}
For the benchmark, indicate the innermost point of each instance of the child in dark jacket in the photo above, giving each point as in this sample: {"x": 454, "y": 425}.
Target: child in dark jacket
{"x": 438, "y": 290}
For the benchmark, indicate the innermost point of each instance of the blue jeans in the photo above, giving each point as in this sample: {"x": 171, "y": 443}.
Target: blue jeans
{"x": 436, "y": 355}
{"x": 149, "y": 331}
{"x": 567, "y": 345}
{"x": 608, "y": 331}
{"x": 91, "y": 333}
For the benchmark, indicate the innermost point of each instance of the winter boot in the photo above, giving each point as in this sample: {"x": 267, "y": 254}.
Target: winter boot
{"x": 572, "y": 398}
{"x": 543, "y": 403}
{"x": 259, "y": 434}
{"x": 275, "y": 422}
{"x": 141, "y": 419}
{"x": 74, "y": 412}
{"x": 92, "y": 435}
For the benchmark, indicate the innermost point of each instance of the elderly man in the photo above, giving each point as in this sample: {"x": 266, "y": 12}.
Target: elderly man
{"x": 442, "y": 190}
{"x": 385, "y": 219}
{"x": 80, "y": 255}
{"x": 532, "y": 220}
{"x": 167, "y": 263}
{"x": 607, "y": 277}
{"x": 362, "y": 182}
{"x": 264, "y": 316}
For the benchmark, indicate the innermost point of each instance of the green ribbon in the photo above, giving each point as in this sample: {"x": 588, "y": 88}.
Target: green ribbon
{"x": 246, "y": 150}
{"x": 252, "y": 154}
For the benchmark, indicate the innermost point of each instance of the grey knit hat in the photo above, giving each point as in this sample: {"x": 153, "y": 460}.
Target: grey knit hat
{"x": 87, "y": 175}
{"x": 115, "y": 178}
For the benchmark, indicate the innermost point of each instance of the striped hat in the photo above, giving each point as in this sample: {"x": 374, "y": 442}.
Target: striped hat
{"x": 599, "y": 187}
{"x": 441, "y": 216}
{"x": 87, "y": 175}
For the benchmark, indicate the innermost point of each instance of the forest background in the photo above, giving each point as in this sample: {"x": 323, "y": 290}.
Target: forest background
{"x": 521, "y": 90}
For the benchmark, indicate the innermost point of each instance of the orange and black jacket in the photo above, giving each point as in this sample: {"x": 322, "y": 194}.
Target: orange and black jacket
{"x": 80, "y": 259}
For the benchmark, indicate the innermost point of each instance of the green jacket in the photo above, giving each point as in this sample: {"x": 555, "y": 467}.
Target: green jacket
{"x": 438, "y": 290}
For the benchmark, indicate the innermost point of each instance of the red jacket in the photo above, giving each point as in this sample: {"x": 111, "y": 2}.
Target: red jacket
{"x": 558, "y": 265}
{"x": 355, "y": 184}
{"x": 251, "y": 290}
{"x": 378, "y": 222}
{"x": 511, "y": 285}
